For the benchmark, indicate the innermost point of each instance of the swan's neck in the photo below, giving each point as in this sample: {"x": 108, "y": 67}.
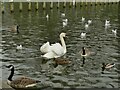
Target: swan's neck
{"x": 11, "y": 74}
{"x": 63, "y": 43}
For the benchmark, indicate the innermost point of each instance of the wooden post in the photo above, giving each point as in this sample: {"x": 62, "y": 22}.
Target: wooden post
{"x": 29, "y": 6}
{"x": 64, "y": 4}
{"x": 20, "y": 6}
{"x": 81, "y": 3}
{"x": 70, "y": 4}
{"x": 85, "y": 2}
{"x": 58, "y": 4}
{"x": 44, "y": 5}
{"x": 95, "y": 2}
{"x": 51, "y": 5}
{"x": 100, "y": 3}
{"x": 91, "y": 3}
{"x": 11, "y": 7}
{"x": 2, "y": 6}
{"x": 37, "y": 6}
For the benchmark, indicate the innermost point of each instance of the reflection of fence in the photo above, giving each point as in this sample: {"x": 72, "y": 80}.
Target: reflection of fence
{"x": 71, "y": 3}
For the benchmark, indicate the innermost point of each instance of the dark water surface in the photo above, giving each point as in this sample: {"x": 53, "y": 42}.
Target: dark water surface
{"x": 35, "y": 29}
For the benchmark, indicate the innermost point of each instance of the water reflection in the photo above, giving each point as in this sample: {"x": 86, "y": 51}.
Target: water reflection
{"x": 35, "y": 29}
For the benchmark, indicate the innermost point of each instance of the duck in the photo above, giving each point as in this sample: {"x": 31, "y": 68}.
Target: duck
{"x": 83, "y": 35}
{"x": 62, "y": 61}
{"x": 83, "y": 19}
{"x": 54, "y": 50}
{"x": 21, "y": 82}
{"x": 114, "y": 31}
{"x": 107, "y": 66}
{"x": 84, "y": 52}
{"x": 14, "y": 28}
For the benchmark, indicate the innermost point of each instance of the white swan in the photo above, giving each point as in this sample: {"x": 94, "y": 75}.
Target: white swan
{"x": 54, "y": 50}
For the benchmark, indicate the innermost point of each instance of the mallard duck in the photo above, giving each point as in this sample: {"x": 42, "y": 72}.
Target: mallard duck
{"x": 61, "y": 61}
{"x": 22, "y": 82}
{"x": 107, "y": 66}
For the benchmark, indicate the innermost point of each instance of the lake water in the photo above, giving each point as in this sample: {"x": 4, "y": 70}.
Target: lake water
{"x": 35, "y": 30}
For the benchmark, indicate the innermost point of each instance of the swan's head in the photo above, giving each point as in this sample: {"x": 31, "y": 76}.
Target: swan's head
{"x": 62, "y": 34}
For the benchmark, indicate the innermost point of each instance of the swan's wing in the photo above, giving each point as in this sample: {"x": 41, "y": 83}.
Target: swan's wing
{"x": 49, "y": 55}
{"x": 45, "y": 47}
{"x": 57, "y": 49}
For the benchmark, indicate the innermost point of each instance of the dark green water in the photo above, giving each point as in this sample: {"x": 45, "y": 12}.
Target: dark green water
{"x": 35, "y": 29}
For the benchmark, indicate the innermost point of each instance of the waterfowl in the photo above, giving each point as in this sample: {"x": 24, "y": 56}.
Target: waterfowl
{"x": 89, "y": 22}
{"x": 54, "y": 50}
{"x": 64, "y": 24}
{"x": 107, "y": 66}
{"x": 61, "y": 61}
{"x": 107, "y": 23}
{"x": 65, "y": 20}
{"x": 19, "y": 47}
{"x": 47, "y": 16}
{"x": 63, "y": 14}
{"x": 86, "y": 26}
{"x": 83, "y": 19}
{"x": 84, "y": 52}
{"x": 14, "y": 28}
{"x": 114, "y": 32}
{"x": 83, "y": 35}
{"x": 22, "y": 82}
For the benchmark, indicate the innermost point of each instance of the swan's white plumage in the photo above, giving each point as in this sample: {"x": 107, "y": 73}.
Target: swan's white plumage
{"x": 45, "y": 47}
{"x": 54, "y": 50}
{"x": 58, "y": 49}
